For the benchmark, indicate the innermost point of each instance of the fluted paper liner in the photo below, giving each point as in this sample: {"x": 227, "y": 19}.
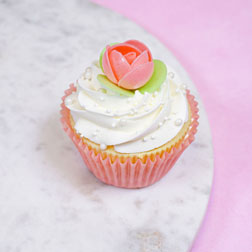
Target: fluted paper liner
{"x": 126, "y": 172}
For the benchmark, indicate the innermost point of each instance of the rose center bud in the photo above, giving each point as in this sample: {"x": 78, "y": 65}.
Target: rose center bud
{"x": 130, "y": 57}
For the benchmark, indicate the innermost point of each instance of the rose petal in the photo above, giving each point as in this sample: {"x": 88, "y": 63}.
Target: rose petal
{"x": 137, "y": 77}
{"x": 140, "y": 60}
{"x": 107, "y": 67}
{"x": 119, "y": 64}
{"x": 142, "y": 47}
{"x": 130, "y": 57}
{"x": 124, "y": 48}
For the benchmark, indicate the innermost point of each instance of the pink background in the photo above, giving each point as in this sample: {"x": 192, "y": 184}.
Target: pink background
{"x": 213, "y": 41}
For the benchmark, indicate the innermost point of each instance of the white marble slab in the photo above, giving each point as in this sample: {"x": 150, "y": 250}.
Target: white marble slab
{"x": 48, "y": 199}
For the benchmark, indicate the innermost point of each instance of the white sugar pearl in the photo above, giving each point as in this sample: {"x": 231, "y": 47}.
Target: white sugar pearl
{"x": 88, "y": 76}
{"x": 131, "y": 112}
{"x": 102, "y": 98}
{"x": 69, "y": 101}
{"x": 171, "y": 75}
{"x": 144, "y": 139}
{"x": 113, "y": 125}
{"x": 160, "y": 124}
{"x": 178, "y": 122}
{"x": 152, "y": 137}
{"x": 103, "y": 146}
{"x": 88, "y": 73}
{"x": 183, "y": 86}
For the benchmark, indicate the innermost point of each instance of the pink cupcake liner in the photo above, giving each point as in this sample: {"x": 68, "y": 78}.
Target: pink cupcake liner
{"x": 128, "y": 174}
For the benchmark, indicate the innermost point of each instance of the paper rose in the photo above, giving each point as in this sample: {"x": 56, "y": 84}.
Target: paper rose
{"x": 129, "y": 64}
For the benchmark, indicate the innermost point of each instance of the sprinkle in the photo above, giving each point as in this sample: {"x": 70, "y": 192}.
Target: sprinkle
{"x": 94, "y": 133}
{"x": 178, "y": 122}
{"x": 108, "y": 111}
{"x": 155, "y": 93}
{"x": 152, "y": 137}
{"x": 166, "y": 118}
{"x": 160, "y": 124}
{"x": 103, "y": 146}
{"x": 113, "y": 125}
{"x": 102, "y": 98}
{"x": 145, "y": 139}
{"x": 177, "y": 90}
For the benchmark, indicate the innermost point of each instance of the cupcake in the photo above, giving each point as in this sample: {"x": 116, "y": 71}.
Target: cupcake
{"x": 129, "y": 115}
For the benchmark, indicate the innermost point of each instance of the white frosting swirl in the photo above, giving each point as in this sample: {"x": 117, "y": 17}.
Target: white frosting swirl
{"x": 131, "y": 124}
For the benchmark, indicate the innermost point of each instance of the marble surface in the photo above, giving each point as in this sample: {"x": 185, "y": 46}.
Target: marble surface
{"x": 48, "y": 199}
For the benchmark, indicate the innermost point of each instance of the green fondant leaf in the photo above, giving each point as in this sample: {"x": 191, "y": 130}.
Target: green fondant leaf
{"x": 102, "y": 53}
{"x": 112, "y": 86}
{"x": 157, "y": 79}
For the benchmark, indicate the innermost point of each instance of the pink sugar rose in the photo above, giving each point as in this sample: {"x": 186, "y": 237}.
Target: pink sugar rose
{"x": 129, "y": 64}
